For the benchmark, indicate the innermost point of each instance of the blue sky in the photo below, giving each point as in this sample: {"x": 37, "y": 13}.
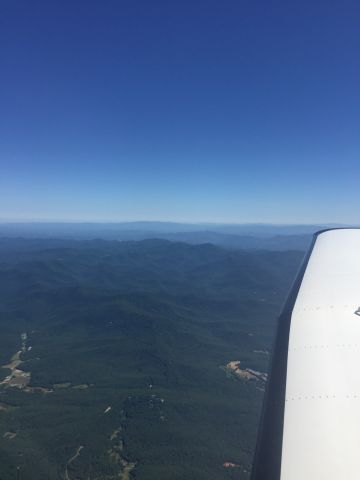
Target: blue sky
{"x": 183, "y": 110}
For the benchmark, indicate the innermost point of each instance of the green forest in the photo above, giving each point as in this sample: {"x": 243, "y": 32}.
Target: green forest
{"x": 115, "y": 357}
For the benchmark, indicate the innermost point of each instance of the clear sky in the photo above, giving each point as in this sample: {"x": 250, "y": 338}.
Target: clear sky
{"x": 184, "y": 110}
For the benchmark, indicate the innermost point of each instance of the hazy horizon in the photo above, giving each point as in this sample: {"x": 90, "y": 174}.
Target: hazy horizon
{"x": 165, "y": 222}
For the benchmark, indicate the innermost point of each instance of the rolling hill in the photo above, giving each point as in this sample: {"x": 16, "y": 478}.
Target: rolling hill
{"x": 126, "y": 349}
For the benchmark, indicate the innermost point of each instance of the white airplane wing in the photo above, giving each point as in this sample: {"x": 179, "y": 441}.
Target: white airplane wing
{"x": 310, "y": 425}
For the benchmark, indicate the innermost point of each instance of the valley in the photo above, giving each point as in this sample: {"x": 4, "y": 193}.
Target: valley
{"x": 111, "y": 358}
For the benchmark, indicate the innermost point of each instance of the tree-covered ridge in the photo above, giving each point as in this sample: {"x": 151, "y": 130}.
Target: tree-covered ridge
{"x": 127, "y": 345}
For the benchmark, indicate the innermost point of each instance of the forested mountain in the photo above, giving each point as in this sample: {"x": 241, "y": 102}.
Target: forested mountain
{"x": 120, "y": 359}
{"x": 249, "y": 237}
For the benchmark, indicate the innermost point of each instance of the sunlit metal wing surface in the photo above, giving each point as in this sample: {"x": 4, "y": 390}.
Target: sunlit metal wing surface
{"x": 310, "y": 425}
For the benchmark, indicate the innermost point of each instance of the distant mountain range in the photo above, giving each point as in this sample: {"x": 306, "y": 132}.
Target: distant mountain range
{"x": 246, "y": 236}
